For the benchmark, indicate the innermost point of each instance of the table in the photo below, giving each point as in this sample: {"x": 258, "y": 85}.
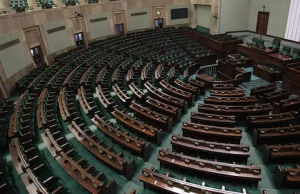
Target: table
{"x": 220, "y": 48}
{"x": 266, "y": 73}
{"x": 241, "y": 60}
{"x": 262, "y": 55}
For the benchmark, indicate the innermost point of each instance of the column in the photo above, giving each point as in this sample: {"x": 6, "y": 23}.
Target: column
{"x": 4, "y": 4}
{"x": 59, "y": 3}
{"x": 33, "y": 4}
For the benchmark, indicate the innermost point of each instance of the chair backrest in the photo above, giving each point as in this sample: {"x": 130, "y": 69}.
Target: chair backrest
{"x": 286, "y": 50}
{"x": 276, "y": 44}
{"x": 272, "y": 65}
{"x": 261, "y": 43}
{"x": 296, "y": 53}
{"x": 255, "y": 41}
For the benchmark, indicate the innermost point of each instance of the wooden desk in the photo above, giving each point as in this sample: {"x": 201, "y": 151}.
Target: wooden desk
{"x": 265, "y": 73}
{"x": 241, "y": 61}
{"x": 281, "y": 152}
{"x": 243, "y": 173}
{"x": 164, "y": 183}
{"x": 264, "y": 55}
{"x": 205, "y": 78}
{"x": 220, "y": 48}
{"x": 291, "y": 79}
{"x": 211, "y": 149}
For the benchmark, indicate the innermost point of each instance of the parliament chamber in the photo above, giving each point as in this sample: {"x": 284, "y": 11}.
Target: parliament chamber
{"x": 167, "y": 109}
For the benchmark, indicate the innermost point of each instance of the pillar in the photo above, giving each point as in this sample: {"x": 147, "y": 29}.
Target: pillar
{"x": 4, "y": 4}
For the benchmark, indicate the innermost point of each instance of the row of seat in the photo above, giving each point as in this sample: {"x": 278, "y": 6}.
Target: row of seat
{"x": 111, "y": 74}
{"x": 243, "y": 173}
{"x": 6, "y": 111}
{"x": 150, "y": 177}
{"x": 22, "y": 83}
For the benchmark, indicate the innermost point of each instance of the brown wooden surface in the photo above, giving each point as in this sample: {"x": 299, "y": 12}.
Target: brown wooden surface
{"x": 171, "y": 90}
{"x": 208, "y": 132}
{"x": 213, "y": 119}
{"x": 262, "y": 22}
{"x": 264, "y": 121}
{"x": 164, "y": 108}
{"x": 262, "y": 56}
{"x": 281, "y": 152}
{"x": 197, "y": 147}
{"x": 152, "y": 116}
{"x": 265, "y": 74}
{"x": 239, "y": 111}
{"x": 248, "y": 100}
{"x": 137, "y": 125}
{"x": 166, "y": 98}
{"x": 249, "y": 174}
{"x": 276, "y": 134}
{"x": 162, "y": 182}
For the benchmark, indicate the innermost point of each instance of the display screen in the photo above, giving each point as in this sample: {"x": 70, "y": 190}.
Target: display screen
{"x": 181, "y": 13}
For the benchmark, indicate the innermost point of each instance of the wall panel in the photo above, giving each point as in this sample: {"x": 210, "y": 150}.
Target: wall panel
{"x": 204, "y": 15}
{"x": 99, "y": 25}
{"x": 279, "y": 11}
{"x": 234, "y": 15}
{"x": 13, "y": 53}
{"x": 138, "y": 19}
{"x": 59, "y": 35}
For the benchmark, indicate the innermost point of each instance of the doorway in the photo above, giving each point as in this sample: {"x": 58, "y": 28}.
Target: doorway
{"x": 36, "y": 54}
{"x": 79, "y": 39}
{"x": 158, "y": 23}
{"x": 119, "y": 29}
{"x": 262, "y": 22}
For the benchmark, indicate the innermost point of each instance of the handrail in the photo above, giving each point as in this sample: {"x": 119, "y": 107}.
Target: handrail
{"x": 238, "y": 76}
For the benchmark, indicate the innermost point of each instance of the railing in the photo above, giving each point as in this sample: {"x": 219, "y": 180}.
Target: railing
{"x": 208, "y": 69}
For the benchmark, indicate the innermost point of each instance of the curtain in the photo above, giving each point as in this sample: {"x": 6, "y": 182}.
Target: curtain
{"x": 293, "y": 25}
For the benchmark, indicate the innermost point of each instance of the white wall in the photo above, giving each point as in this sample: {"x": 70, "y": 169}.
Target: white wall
{"x": 203, "y": 15}
{"x": 100, "y": 28}
{"x": 14, "y": 58}
{"x": 139, "y": 21}
{"x": 234, "y": 15}
{"x": 279, "y": 11}
{"x": 61, "y": 39}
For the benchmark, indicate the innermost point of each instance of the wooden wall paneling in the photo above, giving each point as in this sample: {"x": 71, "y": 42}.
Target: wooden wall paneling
{"x": 262, "y": 22}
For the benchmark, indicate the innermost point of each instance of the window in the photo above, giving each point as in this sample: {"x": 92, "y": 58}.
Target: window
{"x": 79, "y": 39}
{"x": 293, "y": 25}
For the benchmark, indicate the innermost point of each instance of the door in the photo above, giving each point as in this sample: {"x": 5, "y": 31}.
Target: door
{"x": 158, "y": 23}
{"x": 119, "y": 30}
{"x": 262, "y": 22}
{"x": 37, "y": 55}
{"x": 79, "y": 39}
